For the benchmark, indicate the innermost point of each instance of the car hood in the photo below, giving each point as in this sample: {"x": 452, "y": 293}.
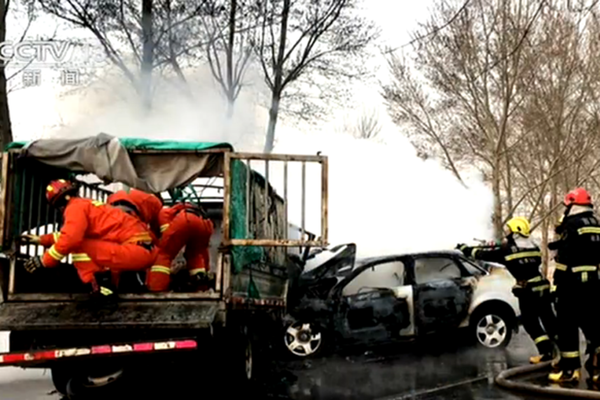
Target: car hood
{"x": 328, "y": 263}
{"x": 499, "y": 274}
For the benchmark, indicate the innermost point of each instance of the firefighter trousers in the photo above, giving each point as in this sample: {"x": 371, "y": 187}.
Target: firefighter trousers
{"x": 98, "y": 255}
{"x": 538, "y": 318}
{"x": 188, "y": 230}
{"x": 575, "y": 304}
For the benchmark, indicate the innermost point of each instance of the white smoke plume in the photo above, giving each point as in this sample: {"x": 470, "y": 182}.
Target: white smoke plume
{"x": 381, "y": 195}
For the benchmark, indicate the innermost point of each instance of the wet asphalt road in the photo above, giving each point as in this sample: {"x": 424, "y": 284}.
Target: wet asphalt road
{"x": 435, "y": 369}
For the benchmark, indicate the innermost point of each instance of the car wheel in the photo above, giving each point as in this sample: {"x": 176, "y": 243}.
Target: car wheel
{"x": 492, "y": 328}
{"x": 303, "y": 339}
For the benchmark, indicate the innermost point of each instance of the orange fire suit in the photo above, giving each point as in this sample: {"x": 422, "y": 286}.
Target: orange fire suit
{"x": 147, "y": 205}
{"x": 99, "y": 238}
{"x": 180, "y": 226}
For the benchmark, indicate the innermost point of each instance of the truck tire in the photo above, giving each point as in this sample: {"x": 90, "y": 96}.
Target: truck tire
{"x": 243, "y": 363}
{"x": 93, "y": 386}
{"x": 60, "y": 378}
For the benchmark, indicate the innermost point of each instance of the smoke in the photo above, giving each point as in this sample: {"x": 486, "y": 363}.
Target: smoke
{"x": 381, "y": 195}
{"x": 198, "y": 113}
{"x": 386, "y": 199}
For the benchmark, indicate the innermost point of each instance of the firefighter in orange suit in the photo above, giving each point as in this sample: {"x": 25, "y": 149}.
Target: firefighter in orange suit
{"x": 182, "y": 225}
{"x": 99, "y": 238}
{"x": 140, "y": 204}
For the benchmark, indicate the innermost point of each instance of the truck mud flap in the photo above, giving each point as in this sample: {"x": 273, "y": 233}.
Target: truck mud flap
{"x": 31, "y": 358}
{"x": 125, "y": 315}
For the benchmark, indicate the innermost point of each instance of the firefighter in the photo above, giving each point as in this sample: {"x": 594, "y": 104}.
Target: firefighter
{"x": 522, "y": 258}
{"x": 140, "y": 204}
{"x": 183, "y": 224}
{"x": 99, "y": 238}
{"x": 576, "y": 279}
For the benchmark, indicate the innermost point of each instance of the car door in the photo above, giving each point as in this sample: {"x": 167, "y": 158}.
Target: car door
{"x": 442, "y": 293}
{"x": 374, "y": 303}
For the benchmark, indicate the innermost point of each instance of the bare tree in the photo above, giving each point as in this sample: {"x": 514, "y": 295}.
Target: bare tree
{"x": 304, "y": 39}
{"x": 155, "y": 35}
{"x": 459, "y": 92}
{"x": 229, "y": 29}
{"x": 367, "y": 125}
{"x": 5, "y": 125}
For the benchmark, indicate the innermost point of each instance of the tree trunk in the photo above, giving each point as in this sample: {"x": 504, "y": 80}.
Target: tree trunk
{"x": 545, "y": 253}
{"x": 147, "y": 54}
{"x": 5, "y": 125}
{"x": 496, "y": 182}
{"x": 230, "y": 108}
{"x": 230, "y": 47}
{"x": 273, "y": 116}
{"x": 277, "y": 89}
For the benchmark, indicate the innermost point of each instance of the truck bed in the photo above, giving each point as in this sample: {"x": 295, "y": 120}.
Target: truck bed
{"x": 125, "y": 315}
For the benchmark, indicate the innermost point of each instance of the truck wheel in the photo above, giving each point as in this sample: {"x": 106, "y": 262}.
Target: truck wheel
{"x": 60, "y": 378}
{"x": 92, "y": 386}
{"x": 243, "y": 362}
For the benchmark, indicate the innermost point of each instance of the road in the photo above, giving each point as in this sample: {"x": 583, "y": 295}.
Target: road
{"x": 435, "y": 369}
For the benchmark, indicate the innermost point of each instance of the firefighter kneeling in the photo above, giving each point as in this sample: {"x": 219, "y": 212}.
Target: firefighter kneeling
{"x": 99, "y": 238}
{"x": 522, "y": 258}
{"x": 183, "y": 224}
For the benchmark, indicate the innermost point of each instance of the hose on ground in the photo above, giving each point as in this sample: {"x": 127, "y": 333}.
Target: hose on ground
{"x": 503, "y": 380}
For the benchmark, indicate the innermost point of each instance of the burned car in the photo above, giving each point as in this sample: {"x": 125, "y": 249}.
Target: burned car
{"x": 379, "y": 300}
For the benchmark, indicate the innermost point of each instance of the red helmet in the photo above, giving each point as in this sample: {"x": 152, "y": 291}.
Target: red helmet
{"x": 56, "y": 190}
{"x": 578, "y": 196}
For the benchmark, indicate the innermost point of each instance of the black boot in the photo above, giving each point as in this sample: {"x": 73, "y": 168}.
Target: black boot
{"x": 201, "y": 282}
{"x": 103, "y": 293}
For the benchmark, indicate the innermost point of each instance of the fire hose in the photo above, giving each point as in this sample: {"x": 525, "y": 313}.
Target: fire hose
{"x": 504, "y": 380}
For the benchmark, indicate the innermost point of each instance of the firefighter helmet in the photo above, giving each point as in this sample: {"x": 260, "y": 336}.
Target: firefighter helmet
{"x": 519, "y": 225}
{"x": 578, "y": 196}
{"x": 58, "y": 189}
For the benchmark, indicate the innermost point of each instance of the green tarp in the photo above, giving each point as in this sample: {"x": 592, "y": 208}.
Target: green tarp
{"x": 241, "y": 255}
{"x": 146, "y": 144}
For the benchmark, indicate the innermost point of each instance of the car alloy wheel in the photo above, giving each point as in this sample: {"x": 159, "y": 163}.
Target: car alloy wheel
{"x": 491, "y": 331}
{"x": 303, "y": 339}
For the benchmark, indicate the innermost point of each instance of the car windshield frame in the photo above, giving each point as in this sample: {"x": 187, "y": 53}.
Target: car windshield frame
{"x": 474, "y": 264}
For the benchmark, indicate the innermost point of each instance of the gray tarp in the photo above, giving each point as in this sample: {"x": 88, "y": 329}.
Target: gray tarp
{"x": 104, "y": 156}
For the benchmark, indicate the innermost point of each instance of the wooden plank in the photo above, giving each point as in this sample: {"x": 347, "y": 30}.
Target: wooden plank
{"x": 274, "y": 242}
{"x": 226, "y": 196}
{"x": 36, "y": 297}
{"x": 324, "y": 200}
{"x": 3, "y": 195}
{"x": 176, "y": 152}
{"x": 278, "y": 157}
{"x": 227, "y": 265}
{"x": 219, "y": 274}
{"x": 148, "y": 315}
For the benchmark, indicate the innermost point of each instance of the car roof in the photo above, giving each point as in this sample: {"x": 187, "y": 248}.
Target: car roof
{"x": 440, "y": 253}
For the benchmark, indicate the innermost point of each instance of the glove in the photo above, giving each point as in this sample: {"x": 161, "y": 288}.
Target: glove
{"x": 34, "y": 264}
{"x": 517, "y": 291}
{"x": 31, "y": 239}
{"x": 467, "y": 251}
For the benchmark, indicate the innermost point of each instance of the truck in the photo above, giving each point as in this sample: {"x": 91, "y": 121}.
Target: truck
{"x": 254, "y": 253}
